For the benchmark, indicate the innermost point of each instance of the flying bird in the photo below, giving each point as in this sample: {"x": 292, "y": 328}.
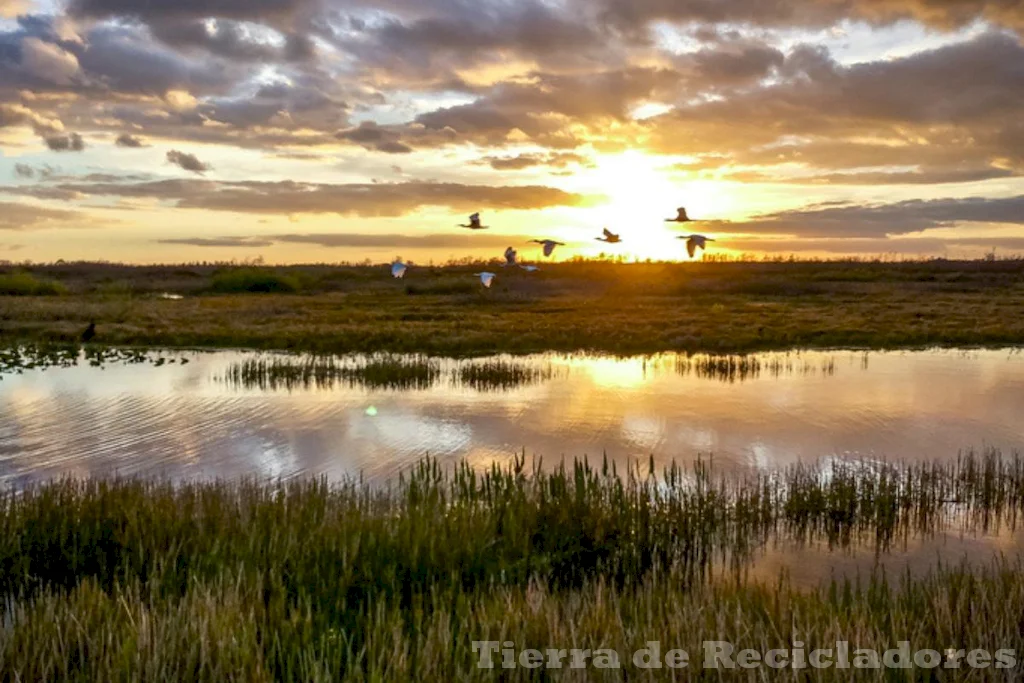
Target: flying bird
{"x": 510, "y": 257}
{"x": 398, "y": 270}
{"x": 474, "y": 223}
{"x": 610, "y": 237}
{"x": 681, "y": 218}
{"x": 486, "y": 279}
{"x": 695, "y": 242}
{"x": 549, "y": 245}
{"x": 530, "y": 269}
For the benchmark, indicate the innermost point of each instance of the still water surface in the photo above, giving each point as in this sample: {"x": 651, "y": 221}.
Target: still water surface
{"x": 199, "y": 420}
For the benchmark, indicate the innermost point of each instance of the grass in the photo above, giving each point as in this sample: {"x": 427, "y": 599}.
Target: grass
{"x": 253, "y": 281}
{"x": 382, "y": 371}
{"x": 20, "y": 283}
{"x": 717, "y": 308}
{"x": 301, "y": 580}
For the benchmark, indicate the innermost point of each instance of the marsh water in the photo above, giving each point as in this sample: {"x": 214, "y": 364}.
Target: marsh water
{"x": 232, "y": 414}
{"x": 224, "y": 415}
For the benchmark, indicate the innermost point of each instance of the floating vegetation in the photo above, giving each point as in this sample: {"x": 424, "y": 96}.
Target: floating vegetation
{"x": 17, "y": 359}
{"x": 301, "y": 580}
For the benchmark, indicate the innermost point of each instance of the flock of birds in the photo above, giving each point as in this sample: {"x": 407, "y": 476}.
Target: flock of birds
{"x": 693, "y": 243}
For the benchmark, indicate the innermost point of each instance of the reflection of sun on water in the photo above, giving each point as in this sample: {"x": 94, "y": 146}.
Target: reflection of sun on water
{"x": 641, "y": 196}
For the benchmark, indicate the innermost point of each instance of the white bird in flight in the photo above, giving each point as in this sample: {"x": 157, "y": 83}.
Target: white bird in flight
{"x": 510, "y": 257}
{"x": 530, "y": 269}
{"x": 695, "y": 242}
{"x": 549, "y": 245}
{"x": 610, "y": 237}
{"x": 486, "y": 279}
{"x": 681, "y": 218}
{"x": 474, "y": 223}
{"x": 398, "y": 270}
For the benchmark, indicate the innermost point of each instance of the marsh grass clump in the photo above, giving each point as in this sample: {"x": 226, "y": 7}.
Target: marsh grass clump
{"x": 375, "y": 372}
{"x": 501, "y": 374}
{"x": 21, "y": 283}
{"x": 741, "y": 368}
{"x": 253, "y": 281}
{"x": 302, "y": 580}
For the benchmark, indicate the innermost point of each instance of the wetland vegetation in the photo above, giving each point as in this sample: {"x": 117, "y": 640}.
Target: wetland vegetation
{"x": 569, "y": 307}
{"x": 134, "y": 580}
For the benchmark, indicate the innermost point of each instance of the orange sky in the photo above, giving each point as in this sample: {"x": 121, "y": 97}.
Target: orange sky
{"x": 321, "y": 130}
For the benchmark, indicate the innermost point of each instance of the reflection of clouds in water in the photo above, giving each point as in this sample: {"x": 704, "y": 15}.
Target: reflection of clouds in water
{"x": 178, "y": 421}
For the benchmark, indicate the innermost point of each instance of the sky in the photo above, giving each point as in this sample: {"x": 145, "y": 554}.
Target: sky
{"x": 154, "y": 131}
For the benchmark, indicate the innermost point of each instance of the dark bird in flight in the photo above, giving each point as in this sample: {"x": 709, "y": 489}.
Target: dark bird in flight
{"x": 549, "y": 245}
{"x": 510, "y": 257}
{"x": 474, "y": 223}
{"x": 610, "y": 237}
{"x": 681, "y": 218}
{"x": 695, "y": 242}
{"x": 90, "y": 333}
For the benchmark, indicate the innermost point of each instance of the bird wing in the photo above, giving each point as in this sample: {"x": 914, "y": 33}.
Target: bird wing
{"x": 608, "y": 233}
{"x": 549, "y": 247}
{"x": 691, "y": 246}
{"x": 682, "y": 214}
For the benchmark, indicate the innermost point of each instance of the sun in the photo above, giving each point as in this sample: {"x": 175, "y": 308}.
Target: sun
{"x": 641, "y": 195}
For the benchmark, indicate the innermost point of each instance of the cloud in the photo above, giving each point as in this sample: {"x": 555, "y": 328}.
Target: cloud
{"x": 856, "y": 221}
{"x": 367, "y": 200}
{"x": 372, "y": 136}
{"x": 558, "y": 160}
{"x": 48, "y": 62}
{"x": 24, "y": 171}
{"x": 15, "y": 216}
{"x": 219, "y": 241}
{"x": 188, "y": 162}
{"x": 126, "y": 140}
{"x": 72, "y": 142}
{"x": 360, "y": 240}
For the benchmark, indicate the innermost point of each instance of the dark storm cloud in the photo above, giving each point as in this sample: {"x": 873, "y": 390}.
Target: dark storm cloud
{"x": 857, "y": 221}
{"x": 189, "y": 162}
{"x": 368, "y": 200}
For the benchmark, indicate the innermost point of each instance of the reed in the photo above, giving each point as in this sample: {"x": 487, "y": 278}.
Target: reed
{"x": 302, "y": 580}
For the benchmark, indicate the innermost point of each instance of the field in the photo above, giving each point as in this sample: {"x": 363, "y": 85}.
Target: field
{"x": 593, "y": 306}
{"x": 304, "y": 581}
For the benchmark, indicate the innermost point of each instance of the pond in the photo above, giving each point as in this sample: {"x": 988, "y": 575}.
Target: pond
{"x": 228, "y": 414}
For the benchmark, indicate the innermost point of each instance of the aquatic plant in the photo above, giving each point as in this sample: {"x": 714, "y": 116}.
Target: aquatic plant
{"x": 303, "y": 580}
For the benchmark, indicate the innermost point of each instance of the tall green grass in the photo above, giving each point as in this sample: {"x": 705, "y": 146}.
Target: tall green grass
{"x": 304, "y": 580}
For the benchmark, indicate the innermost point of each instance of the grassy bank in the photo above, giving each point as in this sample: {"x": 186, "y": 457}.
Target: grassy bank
{"x": 615, "y": 308}
{"x": 305, "y": 581}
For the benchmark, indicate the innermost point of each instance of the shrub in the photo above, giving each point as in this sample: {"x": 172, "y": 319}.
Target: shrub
{"x": 254, "y": 280}
{"x": 26, "y": 284}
